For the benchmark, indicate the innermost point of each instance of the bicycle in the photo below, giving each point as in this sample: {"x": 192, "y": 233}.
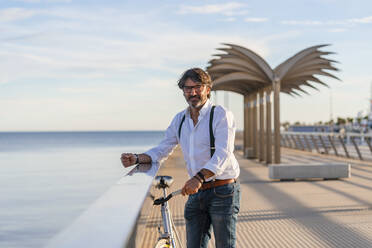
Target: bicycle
{"x": 166, "y": 239}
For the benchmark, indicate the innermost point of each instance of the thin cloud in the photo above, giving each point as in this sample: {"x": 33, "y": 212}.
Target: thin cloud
{"x": 305, "y": 23}
{"x": 43, "y": 1}
{"x": 256, "y": 19}
{"x": 57, "y": 1}
{"x": 228, "y": 9}
{"x": 338, "y": 30}
{"x": 20, "y": 37}
{"x": 348, "y": 22}
{"x": 81, "y": 52}
{"x": 81, "y": 90}
{"x": 230, "y": 19}
{"x": 27, "y": 1}
{"x": 15, "y": 14}
{"x": 363, "y": 20}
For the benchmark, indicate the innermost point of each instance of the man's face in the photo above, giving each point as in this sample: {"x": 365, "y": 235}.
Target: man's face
{"x": 196, "y": 94}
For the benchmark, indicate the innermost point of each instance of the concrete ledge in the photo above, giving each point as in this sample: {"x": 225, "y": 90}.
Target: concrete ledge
{"x": 112, "y": 220}
{"x": 303, "y": 171}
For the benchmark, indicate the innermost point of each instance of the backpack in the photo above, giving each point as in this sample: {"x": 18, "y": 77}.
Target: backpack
{"x": 211, "y": 136}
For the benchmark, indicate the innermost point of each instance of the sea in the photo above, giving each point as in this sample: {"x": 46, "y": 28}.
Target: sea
{"x": 48, "y": 179}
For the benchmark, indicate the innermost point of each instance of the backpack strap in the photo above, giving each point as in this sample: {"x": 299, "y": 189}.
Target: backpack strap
{"x": 180, "y": 127}
{"x": 211, "y": 136}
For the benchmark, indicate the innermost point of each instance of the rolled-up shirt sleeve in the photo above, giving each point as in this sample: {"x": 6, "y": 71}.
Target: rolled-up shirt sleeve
{"x": 166, "y": 146}
{"x": 224, "y": 133}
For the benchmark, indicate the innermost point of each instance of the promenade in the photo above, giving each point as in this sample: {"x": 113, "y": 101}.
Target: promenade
{"x": 307, "y": 213}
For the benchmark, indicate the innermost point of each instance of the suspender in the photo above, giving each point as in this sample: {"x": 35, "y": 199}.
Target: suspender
{"x": 211, "y": 136}
{"x": 179, "y": 129}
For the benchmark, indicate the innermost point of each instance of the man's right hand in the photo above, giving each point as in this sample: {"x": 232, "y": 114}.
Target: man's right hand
{"x": 128, "y": 159}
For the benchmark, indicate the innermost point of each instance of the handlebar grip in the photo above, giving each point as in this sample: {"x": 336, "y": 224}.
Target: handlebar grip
{"x": 161, "y": 200}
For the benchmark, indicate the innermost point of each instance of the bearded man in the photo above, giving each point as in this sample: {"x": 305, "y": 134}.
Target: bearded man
{"x": 206, "y": 134}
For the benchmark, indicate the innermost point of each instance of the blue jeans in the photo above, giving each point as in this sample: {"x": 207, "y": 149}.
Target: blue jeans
{"x": 215, "y": 207}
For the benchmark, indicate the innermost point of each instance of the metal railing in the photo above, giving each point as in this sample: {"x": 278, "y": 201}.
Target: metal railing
{"x": 113, "y": 220}
{"x": 349, "y": 145}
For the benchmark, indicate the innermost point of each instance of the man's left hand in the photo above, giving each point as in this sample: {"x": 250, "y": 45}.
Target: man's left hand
{"x": 191, "y": 186}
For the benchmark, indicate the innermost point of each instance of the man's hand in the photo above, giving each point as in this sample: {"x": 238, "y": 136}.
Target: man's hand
{"x": 128, "y": 159}
{"x": 191, "y": 186}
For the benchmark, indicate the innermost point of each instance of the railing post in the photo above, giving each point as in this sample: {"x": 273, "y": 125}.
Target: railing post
{"x": 343, "y": 145}
{"x": 294, "y": 142}
{"x": 314, "y": 143}
{"x": 283, "y": 141}
{"x": 307, "y": 143}
{"x": 282, "y": 137}
{"x": 287, "y": 141}
{"x": 356, "y": 148}
{"x": 368, "y": 140}
{"x": 300, "y": 142}
{"x": 324, "y": 145}
{"x": 333, "y": 145}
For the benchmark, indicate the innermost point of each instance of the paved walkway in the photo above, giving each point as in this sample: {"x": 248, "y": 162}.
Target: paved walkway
{"x": 311, "y": 213}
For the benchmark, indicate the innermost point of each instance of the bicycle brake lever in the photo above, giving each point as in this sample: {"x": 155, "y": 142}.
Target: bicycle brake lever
{"x": 159, "y": 201}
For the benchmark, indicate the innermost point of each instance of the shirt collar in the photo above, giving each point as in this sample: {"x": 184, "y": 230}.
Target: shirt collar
{"x": 205, "y": 108}
{"x": 207, "y": 105}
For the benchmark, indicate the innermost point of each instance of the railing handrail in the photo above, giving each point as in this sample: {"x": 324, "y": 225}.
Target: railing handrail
{"x": 330, "y": 134}
{"x": 111, "y": 220}
{"x": 349, "y": 145}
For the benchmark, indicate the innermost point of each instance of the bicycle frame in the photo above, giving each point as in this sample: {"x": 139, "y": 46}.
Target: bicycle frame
{"x": 167, "y": 222}
{"x": 167, "y": 238}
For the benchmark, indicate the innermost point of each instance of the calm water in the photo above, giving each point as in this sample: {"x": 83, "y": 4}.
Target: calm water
{"x": 48, "y": 179}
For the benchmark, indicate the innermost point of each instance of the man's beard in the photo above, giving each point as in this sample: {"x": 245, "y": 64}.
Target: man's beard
{"x": 195, "y": 104}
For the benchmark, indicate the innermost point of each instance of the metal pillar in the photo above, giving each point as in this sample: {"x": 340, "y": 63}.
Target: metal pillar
{"x": 246, "y": 126}
{"x": 249, "y": 121}
{"x": 269, "y": 156}
{"x": 252, "y": 152}
{"x": 276, "y": 86}
{"x": 262, "y": 126}
{"x": 255, "y": 136}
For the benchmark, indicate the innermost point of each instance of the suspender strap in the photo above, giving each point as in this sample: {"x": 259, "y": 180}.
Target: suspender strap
{"x": 211, "y": 136}
{"x": 180, "y": 127}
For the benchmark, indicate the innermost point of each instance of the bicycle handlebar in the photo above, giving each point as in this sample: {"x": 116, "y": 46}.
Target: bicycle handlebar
{"x": 161, "y": 200}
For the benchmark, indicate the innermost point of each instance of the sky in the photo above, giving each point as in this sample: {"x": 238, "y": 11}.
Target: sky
{"x": 113, "y": 65}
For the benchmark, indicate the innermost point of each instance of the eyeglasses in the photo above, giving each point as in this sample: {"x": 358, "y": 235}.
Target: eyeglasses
{"x": 188, "y": 89}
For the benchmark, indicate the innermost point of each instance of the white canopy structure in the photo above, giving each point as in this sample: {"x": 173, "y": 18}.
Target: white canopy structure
{"x": 241, "y": 70}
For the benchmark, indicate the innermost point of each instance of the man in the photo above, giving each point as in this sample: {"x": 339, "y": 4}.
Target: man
{"x": 213, "y": 189}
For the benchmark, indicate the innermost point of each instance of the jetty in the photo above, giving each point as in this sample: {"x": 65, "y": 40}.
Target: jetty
{"x": 274, "y": 213}
{"x": 299, "y": 212}
{"x": 304, "y": 212}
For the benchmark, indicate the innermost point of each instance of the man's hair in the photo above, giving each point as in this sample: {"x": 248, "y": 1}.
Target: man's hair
{"x": 198, "y": 76}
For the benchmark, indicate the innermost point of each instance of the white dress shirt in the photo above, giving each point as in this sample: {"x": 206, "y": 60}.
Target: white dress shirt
{"x": 195, "y": 142}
